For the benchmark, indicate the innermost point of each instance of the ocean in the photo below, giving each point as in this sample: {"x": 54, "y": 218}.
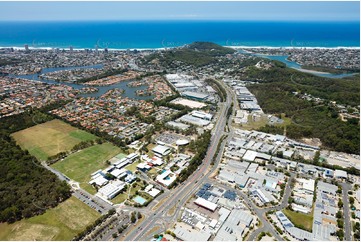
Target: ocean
{"x": 167, "y": 34}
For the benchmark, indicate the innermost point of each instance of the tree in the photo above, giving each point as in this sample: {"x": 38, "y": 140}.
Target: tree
{"x": 316, "y": 158}
{"x": 340, "y": 234}
{"x": 340, "y": 203}
{"x": 133, "y": 219}
{"x": 114, "y": 235}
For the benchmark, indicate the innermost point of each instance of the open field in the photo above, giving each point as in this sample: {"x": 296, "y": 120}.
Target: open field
{"x": 120, "y": 197}
{"x": 80, "y": 165}
{"x": 50, "y": 138}
{"x": 60, "y": 223}
{"x": 300, "y": 219}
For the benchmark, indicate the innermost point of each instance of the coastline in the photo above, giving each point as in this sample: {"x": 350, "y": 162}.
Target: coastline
{"x": 165, "y": 48}
{"x": 292, "y": 47}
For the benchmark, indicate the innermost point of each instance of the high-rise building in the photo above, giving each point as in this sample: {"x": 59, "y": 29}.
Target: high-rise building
{"x": 96, "y": 49}
{"x": 26, "y": 47}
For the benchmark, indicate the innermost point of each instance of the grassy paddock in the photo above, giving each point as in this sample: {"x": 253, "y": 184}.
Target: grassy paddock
{"x": 50, "y": 138}
{"x": 60, "y": 223}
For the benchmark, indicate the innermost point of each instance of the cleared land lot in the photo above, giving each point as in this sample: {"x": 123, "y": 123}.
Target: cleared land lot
{"x": 50, "y": 138}
{"x": 300, "y": 219}
{"x": 60, "y": 223}
{"x": 80, "y": 165}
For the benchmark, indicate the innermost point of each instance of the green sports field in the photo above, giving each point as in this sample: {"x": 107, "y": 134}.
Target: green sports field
{"x": 50, "y": 138}
{"x": 80, "y": 165}
{"x": 60, "y": 223}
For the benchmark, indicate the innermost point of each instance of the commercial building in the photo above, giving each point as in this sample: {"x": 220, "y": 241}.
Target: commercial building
{"x": 308, "y": 185}
{"x": 166, "y": 178}
{"x": 260, "y": 195}
{"x": 187, "y": 233}
{"x": 340, "y": 174}
{"x": 202, "y": 115}
{"x": 190, "y": 119}
{"x": 110, "y": 190}
{"x": 188, "y": 103}
{"x": 206, "y": 204}
{"x": 249, "y": 156}
{"x": 98, "y": 179}
{"x": 178, "y": 125}
{"x": 161, "y": 150}
{"x": 233, "y": 227}
{"x": 195, "y": 95}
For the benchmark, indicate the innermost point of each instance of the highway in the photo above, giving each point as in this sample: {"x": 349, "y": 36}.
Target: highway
{"x": 180, "y": 195}
{"x": 182, "y": 192}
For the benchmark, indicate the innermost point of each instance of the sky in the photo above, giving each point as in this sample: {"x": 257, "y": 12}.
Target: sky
{"x": 270, "y": 11}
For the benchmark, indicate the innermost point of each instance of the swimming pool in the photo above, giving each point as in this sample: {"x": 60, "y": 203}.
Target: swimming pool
{"x": 140, "y": 200}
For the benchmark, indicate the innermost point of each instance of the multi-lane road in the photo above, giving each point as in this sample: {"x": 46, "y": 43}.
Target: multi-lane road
{"x": 179, "y": 196}
{"x": 158, "y": 217}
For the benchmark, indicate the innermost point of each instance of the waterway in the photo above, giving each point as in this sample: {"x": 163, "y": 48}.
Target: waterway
{"x": 295, "y": 65}
{"x": 129, "y": 92}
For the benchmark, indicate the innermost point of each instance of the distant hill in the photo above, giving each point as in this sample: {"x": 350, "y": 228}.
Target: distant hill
{"x": 196, "y": 54}
{"x": 210, "y": 48}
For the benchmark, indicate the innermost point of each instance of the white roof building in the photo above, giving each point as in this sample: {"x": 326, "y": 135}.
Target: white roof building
{"x": 99, "y": 180}
{"x": 153, "y": 192}
{"x": 143, "y": 166}
{"x": 194, "y": 120}
{"x": 250, "y": 155}
{"x": 308, "y": 185}
{"x": 202, "y": 115}
{"x": 132, "y": 157}
{"x": 166, "y": 178}
{"x": 186, "y": 233}
{"x": 341, "y": 174}
{"x": 118, "y": 173}
{"x": 188, "y": 103}
{"x": 161, "y": 150}
{"x": 206, "y": 204}
{"x": 178, "y": 125}
{"x": 111, "y": 190}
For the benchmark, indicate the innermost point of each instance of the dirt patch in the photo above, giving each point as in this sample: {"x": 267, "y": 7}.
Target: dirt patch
{"x": 312, "y": 141}
{"x": 33, "y": 232}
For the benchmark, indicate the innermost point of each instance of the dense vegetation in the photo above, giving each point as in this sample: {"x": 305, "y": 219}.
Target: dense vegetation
{"x": 309, "y": 119}
{"x": 329, "y": 69}
{"x": 344, "y": 91}
{"x": 26, "y": 188}
{"x": 196, "y": 54}
{"x": 199, "y": 147}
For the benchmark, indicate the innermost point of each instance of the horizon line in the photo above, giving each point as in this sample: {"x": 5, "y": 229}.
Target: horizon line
{"x": 185, "y": 20}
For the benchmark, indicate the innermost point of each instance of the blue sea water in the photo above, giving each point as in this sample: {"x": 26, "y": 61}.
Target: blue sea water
{"x": 165, "y": 34}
